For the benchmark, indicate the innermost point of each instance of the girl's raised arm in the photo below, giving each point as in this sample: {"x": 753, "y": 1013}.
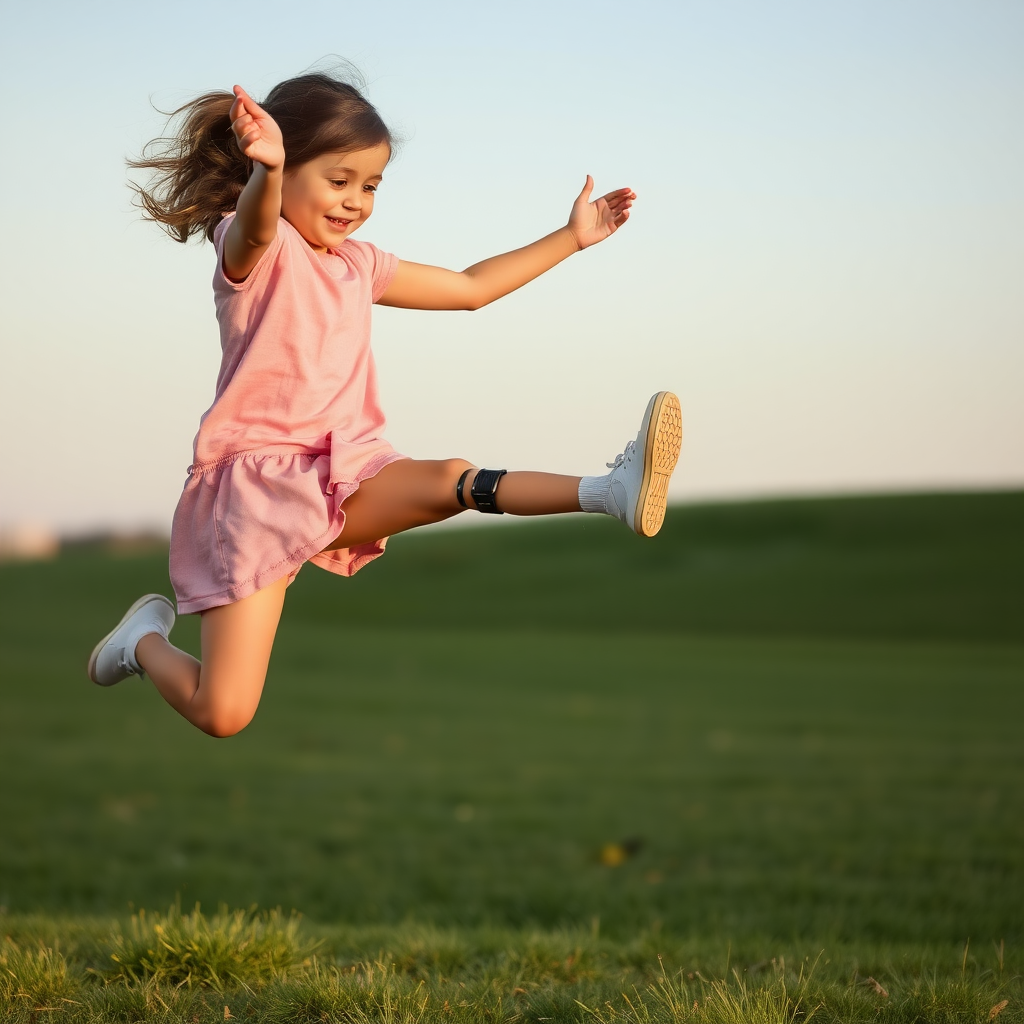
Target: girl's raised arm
{"x": 259, "y": 205}
{"x": 417, "y": 286}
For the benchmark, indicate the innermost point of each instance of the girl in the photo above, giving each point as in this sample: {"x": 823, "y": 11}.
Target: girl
{"x": 290, "y": 462}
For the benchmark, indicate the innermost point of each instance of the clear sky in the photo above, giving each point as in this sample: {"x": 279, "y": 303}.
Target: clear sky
{"x": 825, "y": 261}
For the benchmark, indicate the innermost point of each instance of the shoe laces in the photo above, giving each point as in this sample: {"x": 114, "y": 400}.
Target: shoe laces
{"x": 623, "y": 457}
{"x": 124, "y": 665}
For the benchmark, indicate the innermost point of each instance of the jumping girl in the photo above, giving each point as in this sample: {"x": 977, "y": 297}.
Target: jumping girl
{"x": 290, "y": 462}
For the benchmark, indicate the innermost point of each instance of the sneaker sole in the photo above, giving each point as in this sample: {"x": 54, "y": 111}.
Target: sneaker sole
{"x": 662, "y": 431}
{"x": 141, "y": 603}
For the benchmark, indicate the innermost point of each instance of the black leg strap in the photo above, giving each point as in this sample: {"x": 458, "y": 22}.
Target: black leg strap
{"x": 484, "y": 486}
{"x": 459, "y": 486}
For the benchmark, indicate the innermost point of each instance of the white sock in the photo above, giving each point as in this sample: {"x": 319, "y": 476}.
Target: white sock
{"x": 593, "y": 493}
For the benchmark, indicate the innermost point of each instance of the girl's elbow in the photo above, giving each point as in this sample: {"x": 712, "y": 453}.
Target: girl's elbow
{"x": 470, "y": 293}
{"x": 474, "y": 300}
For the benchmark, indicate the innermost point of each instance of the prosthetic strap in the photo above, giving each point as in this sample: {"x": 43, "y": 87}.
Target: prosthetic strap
{"x": 459, "y": 486}
{"x": 483, "y": 490}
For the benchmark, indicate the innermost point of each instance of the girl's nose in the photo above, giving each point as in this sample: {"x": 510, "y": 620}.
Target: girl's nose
{"x": 352, "y": 201}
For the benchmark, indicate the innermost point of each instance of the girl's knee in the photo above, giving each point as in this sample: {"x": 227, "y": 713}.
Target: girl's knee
{"x": 448, "y": 474}
{"x": 452, "y": 469}
{"x": 222, "y": 719}
{"x": 222, "y": 724}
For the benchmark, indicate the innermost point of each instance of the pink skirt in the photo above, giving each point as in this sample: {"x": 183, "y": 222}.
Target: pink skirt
{"x": 250, "y": 519}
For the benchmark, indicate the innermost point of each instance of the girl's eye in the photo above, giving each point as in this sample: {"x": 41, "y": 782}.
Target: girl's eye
{"x": 371, "y": 188}
{"x": 338, "y": 184}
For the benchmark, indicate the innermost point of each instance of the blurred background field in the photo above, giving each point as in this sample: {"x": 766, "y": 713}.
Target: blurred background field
{"x": 794, "y": 718}
{"x": 778, "y": 722}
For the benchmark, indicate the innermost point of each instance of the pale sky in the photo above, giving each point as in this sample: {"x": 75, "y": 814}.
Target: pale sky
{"x": 825, "y": 261}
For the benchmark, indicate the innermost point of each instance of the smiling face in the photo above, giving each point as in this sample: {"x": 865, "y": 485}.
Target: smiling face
{"x": 326, "y": 199}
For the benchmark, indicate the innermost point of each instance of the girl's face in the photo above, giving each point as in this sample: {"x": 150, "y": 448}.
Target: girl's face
{"x": 326, "y": 199}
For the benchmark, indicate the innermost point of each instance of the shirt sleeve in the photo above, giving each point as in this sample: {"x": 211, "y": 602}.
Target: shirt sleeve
{"x": 223, "y": 283}
{"x": 379, "y": 265}
{"x": 385, "y": 265}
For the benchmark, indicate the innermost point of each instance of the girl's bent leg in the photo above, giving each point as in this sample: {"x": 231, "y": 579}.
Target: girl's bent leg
{"x": 413, "y": 492}
{"x": 219, "y": 695}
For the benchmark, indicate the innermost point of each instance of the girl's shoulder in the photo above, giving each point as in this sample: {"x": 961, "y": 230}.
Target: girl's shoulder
{"x": 358, "y": 252}
{"x": 286, "y": 239}
{"x": 367, "y": 261}
{"x": 285, "y": 232}
{"x": 220, "y": 230}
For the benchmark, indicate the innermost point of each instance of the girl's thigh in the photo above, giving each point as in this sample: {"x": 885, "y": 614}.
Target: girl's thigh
{"x": 403, "y": 495}
{"x": 237, "y": 640}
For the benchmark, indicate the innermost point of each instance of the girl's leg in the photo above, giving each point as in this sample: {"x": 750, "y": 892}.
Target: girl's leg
{"x": 411, "y": 493}
{"x": 219, "y": 695}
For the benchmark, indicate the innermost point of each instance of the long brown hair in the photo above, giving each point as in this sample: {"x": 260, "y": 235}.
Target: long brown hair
{"x": 199, "y": 171}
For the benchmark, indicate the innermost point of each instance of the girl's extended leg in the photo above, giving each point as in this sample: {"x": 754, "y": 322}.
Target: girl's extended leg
{"x": 413, "y": 493}
{"x": 220, "y": 695}
{"x": 410, "y": 493}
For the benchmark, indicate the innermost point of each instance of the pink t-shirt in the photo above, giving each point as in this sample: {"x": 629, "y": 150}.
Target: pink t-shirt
{"x": 296, "y": 423}
{"x": 295, "y": 335}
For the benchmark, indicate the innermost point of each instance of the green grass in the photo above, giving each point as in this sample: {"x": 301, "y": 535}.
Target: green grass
{"x": 796, "y": 724}
{"x": 266, "y": 968}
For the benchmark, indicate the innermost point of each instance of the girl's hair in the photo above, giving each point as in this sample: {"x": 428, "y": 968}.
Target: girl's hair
{"x": 199, "y": 171}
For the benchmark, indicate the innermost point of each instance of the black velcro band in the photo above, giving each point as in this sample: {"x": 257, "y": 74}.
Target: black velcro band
{"x": 459, "y": 486}
{"x": 484, "y": 486}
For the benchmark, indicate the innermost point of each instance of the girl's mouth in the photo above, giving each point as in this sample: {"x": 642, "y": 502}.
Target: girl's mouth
{"x": 338, "y": 222}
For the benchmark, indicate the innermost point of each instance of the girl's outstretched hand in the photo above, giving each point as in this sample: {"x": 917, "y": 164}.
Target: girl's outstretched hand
{"x": 256, "y": 132}
{"x": 592, "y": 222}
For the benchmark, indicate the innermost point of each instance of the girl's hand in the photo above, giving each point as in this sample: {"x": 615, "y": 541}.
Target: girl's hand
{"x": 592, "y": 222}
{"x": 256, "y": 132}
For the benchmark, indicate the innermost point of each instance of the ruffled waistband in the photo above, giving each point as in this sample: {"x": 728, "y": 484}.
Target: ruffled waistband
{"x": 348, "y": 460}
{"x": 200, "y": 468}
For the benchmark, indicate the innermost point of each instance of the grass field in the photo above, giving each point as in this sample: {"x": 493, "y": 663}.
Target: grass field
{"x": 780, "y": 746}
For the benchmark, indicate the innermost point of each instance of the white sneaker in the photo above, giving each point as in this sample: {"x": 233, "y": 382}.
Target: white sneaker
{"x": 113, "y": 658}
{"x": 636, "y": 489}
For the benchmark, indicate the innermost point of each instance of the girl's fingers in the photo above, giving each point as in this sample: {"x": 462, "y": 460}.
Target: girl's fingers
{"x": 599, "y": 218}
{"x": 245, "y": 102}
{"x": 240, "y": 116}
{"x": 242, "y": 127}
{"x": 251, "y": 124}
{"x": 240, "y": 106}
{"x": 246, "y": 130}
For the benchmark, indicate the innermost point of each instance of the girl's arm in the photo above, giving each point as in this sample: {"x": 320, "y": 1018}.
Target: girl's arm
{"x": 416, "y": 286}
{"x": 259, "y": 205}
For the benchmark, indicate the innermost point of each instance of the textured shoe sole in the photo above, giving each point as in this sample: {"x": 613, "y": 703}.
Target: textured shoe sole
{"x": 94, "y": 657}
{"x": 662, "y": 433}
